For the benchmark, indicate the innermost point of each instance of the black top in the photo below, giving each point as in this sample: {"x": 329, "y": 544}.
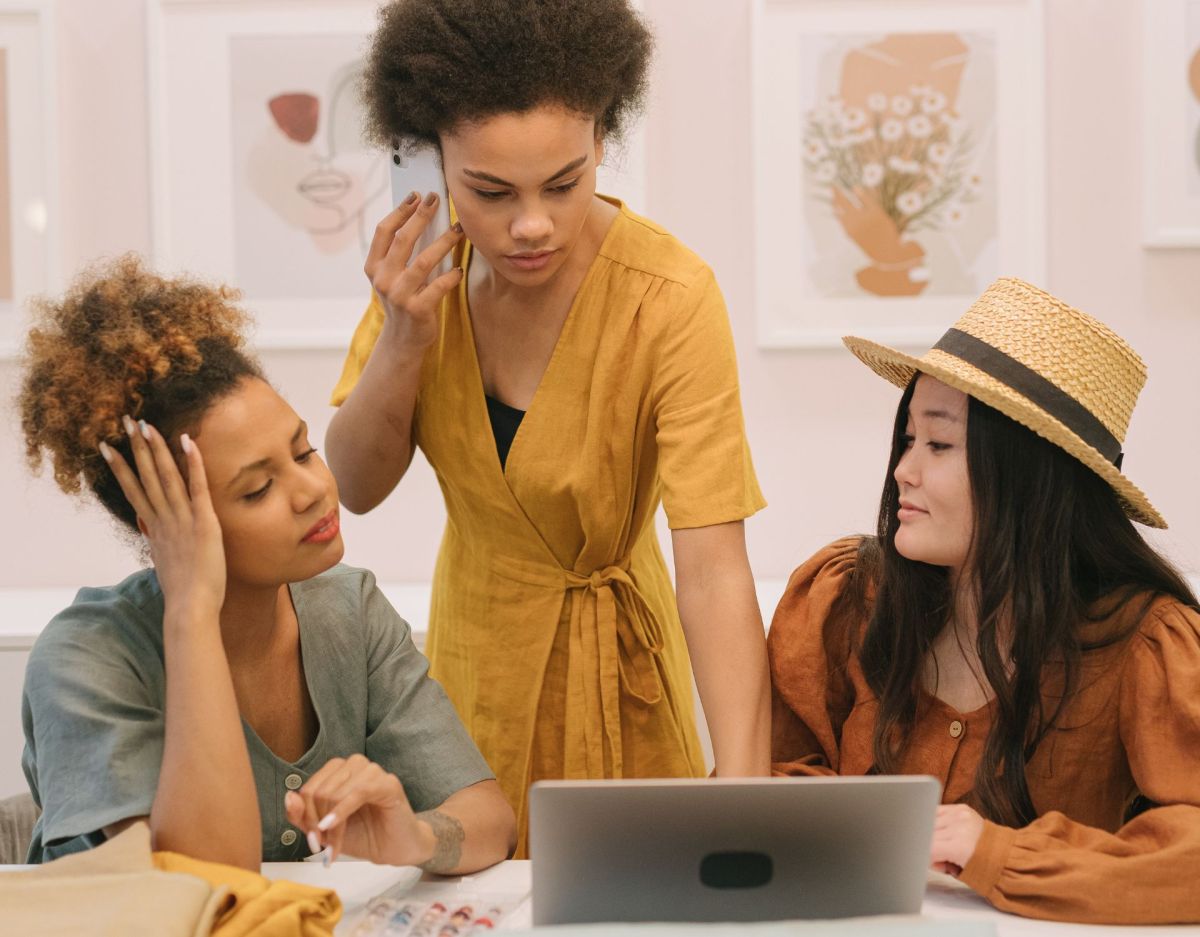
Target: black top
{"x": 505, "y": 421}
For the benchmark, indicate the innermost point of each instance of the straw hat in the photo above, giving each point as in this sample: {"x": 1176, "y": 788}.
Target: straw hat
{"x": 1052, "y": 368}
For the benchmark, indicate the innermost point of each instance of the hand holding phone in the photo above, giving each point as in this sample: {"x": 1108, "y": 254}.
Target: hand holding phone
{"x": 406, "y": 280}
{"x": 419, "y": 172}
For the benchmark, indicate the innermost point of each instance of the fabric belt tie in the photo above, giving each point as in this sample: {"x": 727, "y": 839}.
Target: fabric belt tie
{"x": 612, "y": 625}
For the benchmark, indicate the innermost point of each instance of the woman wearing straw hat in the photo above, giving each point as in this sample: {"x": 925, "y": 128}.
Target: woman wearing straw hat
{"x": 1007, "y": 629}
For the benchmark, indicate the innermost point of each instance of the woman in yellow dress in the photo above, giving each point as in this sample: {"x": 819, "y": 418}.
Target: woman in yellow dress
{"x": 573, "y": 370}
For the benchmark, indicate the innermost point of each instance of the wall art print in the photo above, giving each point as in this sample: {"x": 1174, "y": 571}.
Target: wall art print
{"x": 899, "y": 163}
{"x": 1171, "y": 123}
{"x": 899, "y": 159}
{"x": 307, "y": 192}
{"x": 1193, "y": 96}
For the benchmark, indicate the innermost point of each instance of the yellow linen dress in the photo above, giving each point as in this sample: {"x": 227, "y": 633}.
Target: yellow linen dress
{"x": 553, "y": 626}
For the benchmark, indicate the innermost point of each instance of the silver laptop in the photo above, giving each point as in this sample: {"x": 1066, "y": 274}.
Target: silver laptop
{"x": 729, "y": 849}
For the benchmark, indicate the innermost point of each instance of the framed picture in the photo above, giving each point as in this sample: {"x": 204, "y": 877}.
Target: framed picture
{"x": 1171, "y": 131}
{"x": 260, "y": 176}
{"x": 28, "y": 194}
{"x": 899, "y": 152}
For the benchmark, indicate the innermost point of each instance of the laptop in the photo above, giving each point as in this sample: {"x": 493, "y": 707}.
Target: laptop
{"x": 729, "y": 849}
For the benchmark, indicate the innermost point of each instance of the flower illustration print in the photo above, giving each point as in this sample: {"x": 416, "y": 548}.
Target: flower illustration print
{"x": 910, "y": 202}
{"x": 891, "y": 130}
{"x": 920, "y": 127}
{"x": 933, "y": 102}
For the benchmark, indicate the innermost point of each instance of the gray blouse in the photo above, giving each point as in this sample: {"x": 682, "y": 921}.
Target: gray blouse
{"x": 95, "y": 694}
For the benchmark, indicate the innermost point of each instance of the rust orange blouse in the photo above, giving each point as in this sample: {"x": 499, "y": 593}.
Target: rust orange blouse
{"x": 1132, "y": 727}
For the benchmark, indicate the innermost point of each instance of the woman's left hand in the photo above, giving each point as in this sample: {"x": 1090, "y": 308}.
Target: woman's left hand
{"x": 354, "y": 806}
{"x": 956, "y": 833}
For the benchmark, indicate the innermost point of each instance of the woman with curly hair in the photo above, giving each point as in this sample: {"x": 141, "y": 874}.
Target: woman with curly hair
{"x": 248, "y": 696}
{"x": 573, "y": 370}
{"x": 1008, "y": 630}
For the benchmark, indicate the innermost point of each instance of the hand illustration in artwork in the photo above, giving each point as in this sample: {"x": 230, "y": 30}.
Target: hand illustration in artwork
{"x": 897, "y": 265}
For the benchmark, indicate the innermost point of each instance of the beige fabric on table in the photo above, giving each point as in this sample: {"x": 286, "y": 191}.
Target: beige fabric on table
{"x": 17, "y": 817}
{"x": 113, "y": 889}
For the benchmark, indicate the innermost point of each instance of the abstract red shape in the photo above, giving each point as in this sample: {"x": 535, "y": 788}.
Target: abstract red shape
{"x": 296, "y": 115}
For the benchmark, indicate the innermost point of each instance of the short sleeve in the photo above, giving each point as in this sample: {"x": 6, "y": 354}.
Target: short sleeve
{"x": 413, "y": 729}
{"x": 811, "y": 692}
{"x": 361, "y": 346}
{"x": 704, "y": 458}
{"x": 93, "y": 717}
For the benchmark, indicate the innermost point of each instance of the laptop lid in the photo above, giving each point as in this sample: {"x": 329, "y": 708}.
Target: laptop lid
{"x": 729, "y": 849}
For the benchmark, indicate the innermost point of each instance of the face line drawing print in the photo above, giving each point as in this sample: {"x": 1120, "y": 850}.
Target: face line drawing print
{"x": 307, "y": 190}
{"x": 325, "y": 185}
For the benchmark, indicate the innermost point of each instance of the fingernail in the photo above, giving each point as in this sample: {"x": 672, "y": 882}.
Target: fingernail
{"x": 326, "y": 822}
{"x": 461, "y": 271}
{"x": 185, "y": 443}
{"x": 328, "y": 857}
{"x": 145, "y": 429}
{"x": 431, "y": 198}
{"x": 129, "y": 427}
{"x": 456, "y": 227}
{"x": 412, "y": 197}
{"x": 314, "y": 842}
{"x": 105, "y": 451}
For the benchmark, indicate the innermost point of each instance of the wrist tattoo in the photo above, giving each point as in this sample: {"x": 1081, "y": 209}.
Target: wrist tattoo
{"x": 448, "y": 834}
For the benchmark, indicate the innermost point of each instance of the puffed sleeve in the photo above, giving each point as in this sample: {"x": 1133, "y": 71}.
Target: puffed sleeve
{"x": 413, "y": 729}
{"x": 704, "y": 459}
{"x": 361, "y": 346}
{"x": 811, "y": 693}
{"x": 93, "y": 717}
{"x": 1148, "y": 871}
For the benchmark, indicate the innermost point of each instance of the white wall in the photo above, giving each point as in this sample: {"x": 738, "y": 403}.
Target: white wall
{"x": 818, "y": 421}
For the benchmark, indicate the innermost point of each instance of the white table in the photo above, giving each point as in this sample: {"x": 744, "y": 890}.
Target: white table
{"x": 945, "y": 899}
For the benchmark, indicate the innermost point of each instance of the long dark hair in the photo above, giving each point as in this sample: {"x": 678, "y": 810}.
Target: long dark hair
{"x": 1050, "y": 541}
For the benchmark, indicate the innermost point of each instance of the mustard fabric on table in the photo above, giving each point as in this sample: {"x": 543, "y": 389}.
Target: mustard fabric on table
{"x": 553, "y": 625}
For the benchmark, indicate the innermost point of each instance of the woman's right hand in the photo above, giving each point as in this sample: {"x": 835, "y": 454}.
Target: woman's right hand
{"x": 409, "y": 298}
{"x": 177, "y": 519}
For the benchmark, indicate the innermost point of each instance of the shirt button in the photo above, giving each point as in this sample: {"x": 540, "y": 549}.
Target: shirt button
{"x": 956, "y": 729}
{"x": 292, "y": 782}
{"x": 288, "y": 837}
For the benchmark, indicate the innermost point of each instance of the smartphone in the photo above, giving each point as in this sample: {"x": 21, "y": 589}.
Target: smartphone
{"x": 420, "y": 172}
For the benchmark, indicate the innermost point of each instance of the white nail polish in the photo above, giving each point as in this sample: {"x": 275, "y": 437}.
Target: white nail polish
{"x": 105, "y": 451}
{"x": 185, "y": 443}
{"x": 128, "y": 423}
{"x": 326, "y": 822}
{"x": 314, "y": 842}
{"x": 328, "y": 856}
{"x": 145, "y": 428}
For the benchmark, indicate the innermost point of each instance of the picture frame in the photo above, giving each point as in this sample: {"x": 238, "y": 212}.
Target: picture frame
{"x": 247, "y": 96}
{"x": 29, "y": 230}
{"x": 899, "y": 163}
{"x": 259, "y": 177}
{"x": 1171, "y": 124}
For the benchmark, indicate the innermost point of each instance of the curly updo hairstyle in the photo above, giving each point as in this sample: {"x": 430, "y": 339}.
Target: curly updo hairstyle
{"x": 436, "y": 63}
{"x": 124, "y": 341}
